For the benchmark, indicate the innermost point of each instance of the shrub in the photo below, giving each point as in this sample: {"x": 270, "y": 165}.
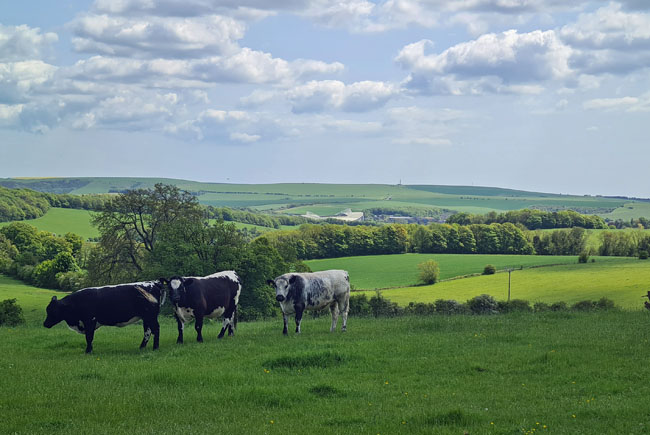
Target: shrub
{"x": 10, "y": 313}
{"x": 558, "y": 306}
{"x": 643, "y": 255}
{"x": 518, "y": 305}
{"x": 483, "y": 304}
{"x": 420, "y": 309}
{"x": 380, "y": 306}
{"x": 360, "y": 306}
{"x": 583, "y": 306}
{"x": 583, "y": 257}
{"x": 429, "y": 272}
{"x": 25, "y": 273}
{"x": 489, "y": 269}
{"x": 605, "y": 304}
{"x": 69, "y": 281}
{"x": 450, "y": 306}
{"x": 541, "y": 307}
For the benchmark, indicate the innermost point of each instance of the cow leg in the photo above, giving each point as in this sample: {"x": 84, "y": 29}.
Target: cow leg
{"x": 334, "y": 309}
{"x": 285, "y": 331}
{"x": 344, "y": 307}
{"x": 156, "y": 333}
{"x": 228, "y": 320}
{"x": 181, "y": 326}
{"x": 147, "y": 334}
{"x": 89, "y": 327}
{"x": 198, "y": 325}
{"x": 299, "y": 311}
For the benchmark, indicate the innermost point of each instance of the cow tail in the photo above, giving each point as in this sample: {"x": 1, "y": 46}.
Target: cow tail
{"x": 235, "y": 317}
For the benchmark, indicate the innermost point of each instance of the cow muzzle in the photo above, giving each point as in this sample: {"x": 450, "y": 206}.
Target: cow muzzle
{"x": 279, "y": 298}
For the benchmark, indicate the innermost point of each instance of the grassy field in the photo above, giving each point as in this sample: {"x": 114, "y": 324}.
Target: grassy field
{"x": 325, "y": 199}
{"x": 385, "y": 271}
{"x": 563, "y": 373}
{"x": 624, "y": 282}
{"x": 64, "y": 220}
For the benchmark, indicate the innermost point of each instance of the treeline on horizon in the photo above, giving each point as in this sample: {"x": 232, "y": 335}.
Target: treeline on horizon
{"x": 24, "y": 204}
{"x": 311, "y": 241}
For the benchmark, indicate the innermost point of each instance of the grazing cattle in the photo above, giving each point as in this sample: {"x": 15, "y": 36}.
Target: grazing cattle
{"x": 209, "y": 296}
{"x": 118, "y": 305}
{"x": 298, "y": 292}
{"x": 647, "y": 305}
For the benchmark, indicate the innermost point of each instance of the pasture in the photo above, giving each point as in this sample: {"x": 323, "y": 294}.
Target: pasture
{"x": 326, "y": 199}
{"x": 64, "y": 220}
{"x": 565, "y": 373}
{"x": 386, "y": 271}
{"x": 624, "y": 282}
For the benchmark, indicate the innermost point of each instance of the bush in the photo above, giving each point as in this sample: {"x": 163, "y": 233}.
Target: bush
{"x": 540, "y": 307}
{"x": 483, "y": 304}
{"x": 359, "y": 305}
{"x": 70, "y": 281}
{"x": 518, "y": 305}
{"x": 558, "y": 306}
{"x": 605, "y": 304}
{"x": 583, "y": 306}
{"x": 380, "y": 306}
{"x": 583, "y": 257}
{"x": 489, "y": 269}
{"x": 420, "y": 309}
{"x": 429, "y": 272}
{"x": 10, "y": 313}
{"x": 643, "y": 255}
{"x": 450, "y": 307}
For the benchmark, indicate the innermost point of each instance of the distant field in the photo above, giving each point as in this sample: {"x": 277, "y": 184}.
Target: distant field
{"x": 384, "y": 271}
{"x": 625, "y": 282}
{"x": 32, "y": 300}
{"x": 64, "y": 220}
{"x": 325, "y": 199}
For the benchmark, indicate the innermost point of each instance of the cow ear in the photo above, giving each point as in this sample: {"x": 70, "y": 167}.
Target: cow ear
{"x": 188, "y": 281}
{"x": 53, "y": 298}
{"x": 270, "y": 282}
{"x": 292, "y": 279}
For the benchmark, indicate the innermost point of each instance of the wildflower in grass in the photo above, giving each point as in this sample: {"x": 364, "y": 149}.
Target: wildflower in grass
{"x": 573, "y": 415}
{"x": 272, "y": 422}
{"x": 386, "y": 383}
{"x": 403, "y": 422}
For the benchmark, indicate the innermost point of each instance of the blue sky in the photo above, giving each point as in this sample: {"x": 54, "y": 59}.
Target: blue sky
{"x": 543, "y": 95}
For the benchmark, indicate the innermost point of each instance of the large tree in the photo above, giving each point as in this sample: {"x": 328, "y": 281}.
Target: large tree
{"x": 130, "y": 226}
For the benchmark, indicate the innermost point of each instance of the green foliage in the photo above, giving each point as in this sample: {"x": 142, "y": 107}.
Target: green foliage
{"x": 483, "y": 304}
{"x": 583, "y": 257}
{"x": 380, "y": 306}
{"x": 514, "y": 305}
{"x": 429, "y": 272}
{"x": 489, "y": 269}
{"x": 643, "y": 255}
{"x": 532, "y": 219}
{"x": 450, "y": 307}
{"x": 10, "y": 313}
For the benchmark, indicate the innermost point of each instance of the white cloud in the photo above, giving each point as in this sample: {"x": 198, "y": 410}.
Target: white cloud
{"x": 170, "y": 37}
{"x": 611, "y": 103}
{"x": 19, "y": 43}
{"x": 492, "y": 63}
{"x": 245, "y": 137}
{"x": 316, "y": 96}
{"x": 609, "y": 40}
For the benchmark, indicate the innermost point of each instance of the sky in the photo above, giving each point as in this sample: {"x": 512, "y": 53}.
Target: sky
{"x": 541, "y": 95}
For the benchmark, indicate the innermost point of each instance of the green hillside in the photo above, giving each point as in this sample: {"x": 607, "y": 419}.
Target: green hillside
{"x": 624, "y": 282}
{"x": 331, "y": 198}
{"x": 64, "y": 220}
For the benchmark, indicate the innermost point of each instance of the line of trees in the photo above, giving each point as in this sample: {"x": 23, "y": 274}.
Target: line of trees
{"x": 22, "y": 204}
{"x": 532, "y": 219}
{"x": 248, "y": 217}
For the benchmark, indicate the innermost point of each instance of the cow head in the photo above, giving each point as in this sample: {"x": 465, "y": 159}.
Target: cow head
{"x": 177, "y": 288}
{"x": 282, "y": 285}
{"x": 54, "y": 313}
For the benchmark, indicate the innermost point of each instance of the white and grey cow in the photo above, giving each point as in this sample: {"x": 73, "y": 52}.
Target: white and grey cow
{"x": 298, "y": 292}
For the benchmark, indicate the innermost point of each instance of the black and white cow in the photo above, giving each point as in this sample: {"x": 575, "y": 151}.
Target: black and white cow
{"x": 298, "y": 292}
{"x": 209, "y": 296}
{"x": 118, "y": 305}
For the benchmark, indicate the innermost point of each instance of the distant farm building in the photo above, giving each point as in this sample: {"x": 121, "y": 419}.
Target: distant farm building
{"x": 346, "y": 216}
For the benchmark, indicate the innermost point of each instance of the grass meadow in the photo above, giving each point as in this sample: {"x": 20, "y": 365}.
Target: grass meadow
{"x": 64, "y": 220}
{"x": 554, "y": 372}
{"x": 566, "y": 373}
{"x": 624, "y": 282}
{"x": 400, "y": 270}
